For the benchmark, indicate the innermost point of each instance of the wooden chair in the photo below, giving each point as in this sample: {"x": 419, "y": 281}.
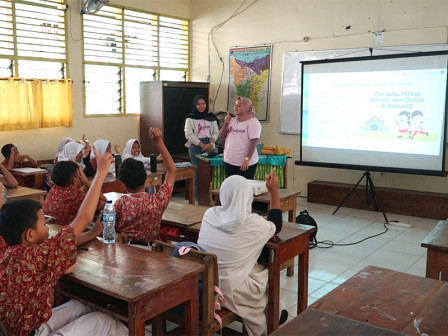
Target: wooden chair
{"x": 208, "y": 325}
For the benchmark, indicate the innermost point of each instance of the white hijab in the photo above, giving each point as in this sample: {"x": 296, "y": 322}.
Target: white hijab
{"x": 63, "y": 142}
{"x": 70, "y": 151}
{"x": 127, "y": 152}
{"x": 233, "y": 233}
{"x": 100, "y": 146}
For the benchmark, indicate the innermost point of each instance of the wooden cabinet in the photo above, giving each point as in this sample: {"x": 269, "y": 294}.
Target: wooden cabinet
{"x": 165, "y": 104}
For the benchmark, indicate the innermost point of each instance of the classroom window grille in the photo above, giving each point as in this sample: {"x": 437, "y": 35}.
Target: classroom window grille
{"x": 33, "y": 65}
{"x": 32, "y": 39}
{"x": 123, "y": 47}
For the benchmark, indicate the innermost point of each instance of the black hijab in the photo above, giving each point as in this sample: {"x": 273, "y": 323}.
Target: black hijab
{"x": 195, "y": 114}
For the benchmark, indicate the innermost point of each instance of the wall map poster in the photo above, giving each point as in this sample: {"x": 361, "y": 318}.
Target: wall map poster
{"x": 249, "y": 76}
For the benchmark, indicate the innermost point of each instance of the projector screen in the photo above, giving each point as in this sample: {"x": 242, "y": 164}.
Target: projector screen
{"x": 385, "y": 113}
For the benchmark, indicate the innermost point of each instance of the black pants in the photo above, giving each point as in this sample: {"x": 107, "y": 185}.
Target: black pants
{"x": 236, "y": 170}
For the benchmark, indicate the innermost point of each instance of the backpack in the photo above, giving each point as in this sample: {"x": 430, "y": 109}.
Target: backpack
{"x": 306, "y": 219}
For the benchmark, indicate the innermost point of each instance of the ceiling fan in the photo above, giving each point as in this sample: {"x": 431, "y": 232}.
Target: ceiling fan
{"x": 92, "y": 6}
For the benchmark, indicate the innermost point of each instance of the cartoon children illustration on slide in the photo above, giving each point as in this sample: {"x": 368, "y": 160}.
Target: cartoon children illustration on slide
{"x": 417, "y": 124}
{"x": 403, "y": 122}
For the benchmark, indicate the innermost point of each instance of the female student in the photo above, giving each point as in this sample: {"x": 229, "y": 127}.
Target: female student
{"x": 78, "y": 153}
{"x": 102, "y": 146}
{"x": 61, "y": 146}
{"x": 133, "y": 150}
{"x": 237, "y": 237}
{"x": 201, "y": 131}
{"x": 242, "y": 134}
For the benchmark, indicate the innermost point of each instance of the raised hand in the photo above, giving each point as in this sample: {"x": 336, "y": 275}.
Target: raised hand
{"x": 272, "y": 181}
{"x": 155, "y": 134}
{"x": 103, "y": 162}
{"x": 228, "y": 117}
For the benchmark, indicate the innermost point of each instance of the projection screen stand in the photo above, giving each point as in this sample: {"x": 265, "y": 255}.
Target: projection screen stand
{"x": 370, "y": 195}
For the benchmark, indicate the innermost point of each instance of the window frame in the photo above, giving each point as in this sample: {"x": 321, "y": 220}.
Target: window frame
{"x": 157, "y": 69}
{"x": 15, "y": 58}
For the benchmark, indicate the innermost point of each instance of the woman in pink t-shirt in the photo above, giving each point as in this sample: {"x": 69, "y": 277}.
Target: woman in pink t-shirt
{"x": 242, "y": 134}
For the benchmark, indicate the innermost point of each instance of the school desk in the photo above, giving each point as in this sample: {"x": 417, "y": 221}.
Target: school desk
{"x": 182, "y": 216}
{"x": 133, "y": 284}
{"x": 287, "y": 202}
{"x": 24, "y": 192}
{"x": 291, "y": 241}
{"x": 183, "y": 174}
{"x": 398, "y": 301}
{"x": 313, "y": 322}
{"x": 112, "y": 184}
{"x": 437, "y": 258}
{"x": 30, "y": 177}
{"x": 211, "y": 172}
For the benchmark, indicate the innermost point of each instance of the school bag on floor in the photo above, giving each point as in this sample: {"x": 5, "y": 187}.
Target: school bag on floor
{"x": 306, "y": 219}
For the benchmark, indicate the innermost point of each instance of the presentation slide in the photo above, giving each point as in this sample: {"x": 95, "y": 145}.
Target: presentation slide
{"x": 381, "y": 113}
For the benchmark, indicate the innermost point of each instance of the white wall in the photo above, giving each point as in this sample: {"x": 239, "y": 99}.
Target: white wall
{"x": 284, "y": 23}
{"x": 42, "y": 143}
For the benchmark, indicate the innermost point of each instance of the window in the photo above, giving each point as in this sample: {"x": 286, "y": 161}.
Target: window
{"x": 32, "y": 39}
{"x": 123, "y": 47}
{"x": 33, "y": 64}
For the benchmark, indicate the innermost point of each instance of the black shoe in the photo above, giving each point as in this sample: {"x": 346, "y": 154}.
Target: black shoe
{"x": 283, "y": 317}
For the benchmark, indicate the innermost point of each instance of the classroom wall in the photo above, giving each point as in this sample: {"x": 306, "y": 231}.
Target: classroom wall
{"x": 329, "y": 24}
{"x": 42, "y": 143}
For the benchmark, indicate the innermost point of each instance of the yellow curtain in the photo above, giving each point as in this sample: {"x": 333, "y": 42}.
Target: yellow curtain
{"x": 34, "y": 103}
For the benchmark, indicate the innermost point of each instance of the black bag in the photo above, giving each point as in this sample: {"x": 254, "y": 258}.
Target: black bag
{"x": 306, "y": 219}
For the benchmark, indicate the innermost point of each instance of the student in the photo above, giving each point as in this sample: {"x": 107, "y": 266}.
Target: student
{"x": 201, "y": 131}
{"x": 32, "y": 264}
{"x": 237, "y": 237}
{"x": 6, "y": 178}
{"x": 61, "y": 146}
{"x": 138, "y": 214}
{"x": 134, "y": 150}
{"x": 13, "y": 159}
{"x": 242, "y": 134}
{"x": 102, "y": 146}
{"x": 66, "y": 196}
{"x": 78, "y": 153}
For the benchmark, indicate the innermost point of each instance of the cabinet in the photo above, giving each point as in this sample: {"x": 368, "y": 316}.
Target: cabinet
{"x": 165, "y": 104}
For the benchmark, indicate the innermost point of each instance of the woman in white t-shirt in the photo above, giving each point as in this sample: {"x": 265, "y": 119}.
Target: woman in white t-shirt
{"x": 201, "y": 131}
{"x": 242, "y": 134}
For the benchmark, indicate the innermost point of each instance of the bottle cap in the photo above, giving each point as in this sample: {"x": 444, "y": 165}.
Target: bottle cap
{"x": 109, "y": 202}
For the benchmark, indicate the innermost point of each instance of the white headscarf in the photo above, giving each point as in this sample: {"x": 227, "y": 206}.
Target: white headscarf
{"x": 127, "y": 152}
{"x": 70, "y": 151}
{"x": 100, "y": 146}
{"x": 63, "y": 142}
{"x": 233, "y": 233}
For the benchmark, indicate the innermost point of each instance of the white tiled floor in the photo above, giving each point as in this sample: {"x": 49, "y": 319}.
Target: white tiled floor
{"x": 398, "y": 249}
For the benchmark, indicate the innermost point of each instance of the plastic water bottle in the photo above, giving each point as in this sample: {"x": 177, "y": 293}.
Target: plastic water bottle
{"x": 109, "y": 223}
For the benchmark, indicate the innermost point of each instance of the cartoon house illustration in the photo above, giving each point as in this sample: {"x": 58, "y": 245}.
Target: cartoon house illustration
{"x": 374, "y": 124}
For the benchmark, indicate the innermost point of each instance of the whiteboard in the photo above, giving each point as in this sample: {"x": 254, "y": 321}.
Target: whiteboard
{"x": 291, "y": 92}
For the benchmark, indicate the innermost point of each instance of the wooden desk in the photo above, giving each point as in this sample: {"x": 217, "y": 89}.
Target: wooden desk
{"x": 314, "y": 322}
{"x": 30, "y": 179}
{"x": 287, "y": 202}
{"x": 183, "y": 216}
{"x": 292, "y": 241}
{"x": 389, "y": 299}
{"x": 24, "y": 192}
{"x": 183, "y": 174}
{"x": 437, "y": 258}
{"x": 133, "y": 284}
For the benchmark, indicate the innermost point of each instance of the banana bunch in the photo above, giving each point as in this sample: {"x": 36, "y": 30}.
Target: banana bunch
{"x": 275, "y": 150}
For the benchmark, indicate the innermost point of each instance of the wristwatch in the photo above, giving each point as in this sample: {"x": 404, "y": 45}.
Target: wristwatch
{"x": 247, "y": 158}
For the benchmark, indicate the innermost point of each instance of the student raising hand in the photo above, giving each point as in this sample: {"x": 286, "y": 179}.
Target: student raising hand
{"x": 272, "y": 186}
